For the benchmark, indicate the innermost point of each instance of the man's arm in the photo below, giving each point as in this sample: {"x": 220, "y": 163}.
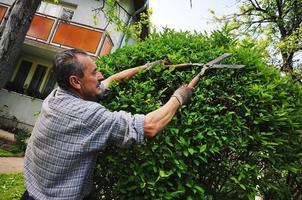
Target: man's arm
{"x": 128, "y": 73}
{"x": 155, "y": 121}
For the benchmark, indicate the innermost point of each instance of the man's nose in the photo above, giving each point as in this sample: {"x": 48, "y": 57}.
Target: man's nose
{"x": 100, "y": 77}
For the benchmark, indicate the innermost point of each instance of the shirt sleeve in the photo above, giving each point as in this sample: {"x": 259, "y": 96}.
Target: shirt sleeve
{"x": 120, "y": 128}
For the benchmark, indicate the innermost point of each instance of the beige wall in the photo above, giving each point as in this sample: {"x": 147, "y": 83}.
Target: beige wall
{"x": 19, "y": 106}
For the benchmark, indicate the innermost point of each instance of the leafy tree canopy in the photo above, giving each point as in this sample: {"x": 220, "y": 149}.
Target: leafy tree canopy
{"x": 279, "y": 20}
{"x": 132, "y": 28}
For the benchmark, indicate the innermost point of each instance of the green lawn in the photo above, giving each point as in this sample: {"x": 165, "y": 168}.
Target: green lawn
{"x": 5, "y": 153}
{"x": 11, "y": 186}
{"x": 10, "y": 149}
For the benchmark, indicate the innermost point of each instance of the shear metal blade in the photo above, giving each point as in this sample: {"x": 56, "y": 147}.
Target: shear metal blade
{"x": 218, "y": 59}
{"x": 227, "y": 66}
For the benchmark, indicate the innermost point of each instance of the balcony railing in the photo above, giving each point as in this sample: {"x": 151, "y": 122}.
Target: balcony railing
{"x": 3, "y": 10}
{"x": 56, "y": 32}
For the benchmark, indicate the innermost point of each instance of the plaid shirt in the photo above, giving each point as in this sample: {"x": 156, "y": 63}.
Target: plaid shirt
{"x": 62, "y": 150}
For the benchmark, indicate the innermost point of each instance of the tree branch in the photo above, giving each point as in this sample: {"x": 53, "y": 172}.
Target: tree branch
{"x": 257, "y": 7}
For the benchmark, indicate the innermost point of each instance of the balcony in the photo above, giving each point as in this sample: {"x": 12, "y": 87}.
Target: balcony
{"x": 59, "y": 33}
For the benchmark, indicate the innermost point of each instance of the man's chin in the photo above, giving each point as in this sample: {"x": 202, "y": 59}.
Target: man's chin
{"x": 98, "y": 97}
{"x": 95, "y": 98}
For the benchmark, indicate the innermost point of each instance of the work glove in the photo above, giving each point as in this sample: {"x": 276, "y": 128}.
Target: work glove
{"x": 183, "y": 94}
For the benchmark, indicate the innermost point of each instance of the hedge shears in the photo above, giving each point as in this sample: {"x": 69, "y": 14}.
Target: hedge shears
{"x": 210, "y": 65}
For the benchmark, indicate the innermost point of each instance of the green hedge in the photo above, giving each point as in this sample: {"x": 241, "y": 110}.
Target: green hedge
{"x": 240, "y": 135}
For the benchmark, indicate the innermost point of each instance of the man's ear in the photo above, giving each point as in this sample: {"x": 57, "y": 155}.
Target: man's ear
{"x": 75, "y": 82}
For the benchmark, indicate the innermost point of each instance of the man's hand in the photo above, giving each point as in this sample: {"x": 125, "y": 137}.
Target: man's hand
{"x": 183, "y": 94}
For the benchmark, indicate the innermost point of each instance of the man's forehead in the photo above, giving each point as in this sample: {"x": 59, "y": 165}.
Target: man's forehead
{"x": 82, "y": 57}
{"x": 86, "y": 60}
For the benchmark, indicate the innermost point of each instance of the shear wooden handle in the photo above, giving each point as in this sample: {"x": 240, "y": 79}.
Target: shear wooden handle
{"x": 179, "y": 66}
{"x": 195, "y": 80}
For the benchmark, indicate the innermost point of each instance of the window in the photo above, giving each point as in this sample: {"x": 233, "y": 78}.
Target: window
{"x": 35, "y": 83}
{"x": 17, "y": 84}
{"x": 3, "y": 10}
{"x": 50, "y": 84}
{"x": 64, "y": 12}
{"x": 33, "y": 79}
{"x": 67, "y": 14}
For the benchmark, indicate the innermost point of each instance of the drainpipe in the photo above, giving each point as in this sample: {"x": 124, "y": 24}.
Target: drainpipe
{"x": 131, "y": 19}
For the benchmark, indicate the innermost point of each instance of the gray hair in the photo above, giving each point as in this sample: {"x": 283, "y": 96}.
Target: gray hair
{"x": 66, "y": 64}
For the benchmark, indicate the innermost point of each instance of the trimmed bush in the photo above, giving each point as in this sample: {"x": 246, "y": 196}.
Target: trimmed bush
{"x": 240, "y": 134}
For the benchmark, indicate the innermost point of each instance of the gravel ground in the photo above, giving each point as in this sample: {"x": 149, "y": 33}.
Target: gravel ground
{"x": 9, "y": 165}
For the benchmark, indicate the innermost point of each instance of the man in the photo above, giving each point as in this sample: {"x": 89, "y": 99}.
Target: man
{"x": 72, "y": 128}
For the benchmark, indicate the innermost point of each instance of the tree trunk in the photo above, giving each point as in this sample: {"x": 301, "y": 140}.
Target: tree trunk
{"x": 13, "y": 32}
{"x": 287, "y": 65}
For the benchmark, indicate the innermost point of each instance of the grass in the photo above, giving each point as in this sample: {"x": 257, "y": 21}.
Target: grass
{"x": 10, "y": 152}
{"x": 8, "y": 149}
{"x": 5, "y": 153}
{"x": 11, "y": 186}
{"x": 17, "y": 148}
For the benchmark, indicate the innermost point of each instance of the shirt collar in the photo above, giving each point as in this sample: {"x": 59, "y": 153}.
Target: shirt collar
{"x": 64, "y": 91}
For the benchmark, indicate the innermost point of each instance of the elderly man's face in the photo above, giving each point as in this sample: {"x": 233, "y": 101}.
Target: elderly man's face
{"x": 90, "y": 89}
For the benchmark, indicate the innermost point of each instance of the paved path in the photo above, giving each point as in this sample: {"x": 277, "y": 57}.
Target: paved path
{"x": 9, "y": 165}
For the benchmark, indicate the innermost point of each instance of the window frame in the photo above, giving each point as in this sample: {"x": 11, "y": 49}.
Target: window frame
{"x": 35, "y": 62}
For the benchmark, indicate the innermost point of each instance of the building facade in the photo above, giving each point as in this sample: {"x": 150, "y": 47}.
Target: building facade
{"x": 68, "y": 24}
